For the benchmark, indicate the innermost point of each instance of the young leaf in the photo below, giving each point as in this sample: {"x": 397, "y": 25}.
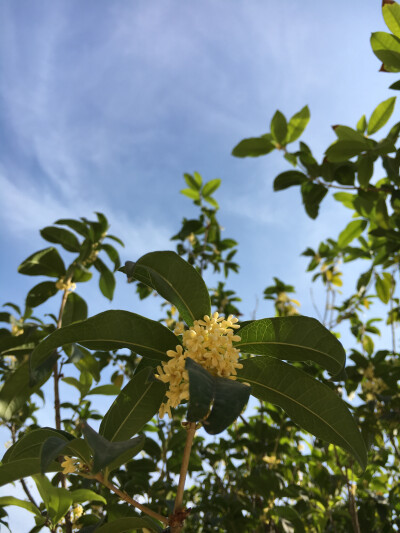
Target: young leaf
{"x": 254, "y": 147}
{"x": 381, "y": 115}
{"x": 105, "y": 452}
{"x": 40, "y": 293}
{"x": 362, "y": 124}
{"x": 46, "y": 262}
{"x": 210, "y": 187}
{"x": 175, "y": 280}
{"x": 228, "y": 398}
{"x": 190, "y": 193}
{"x": 297, "y": 124}
{"x": 391, "y": 15}
{"x": 86, "y": 495}
{"x": 57, "y": 500}
{"x": 351, "y": 232}
{"x": 288, "y": 179}
{"x": 386, "y": 47}
{"x": 193, "y": 181}
{"x": 61, "y": 236}
{"x": 135, "y": 405}
{"x": 311, "y": 404}
{"x": 293, "y": 338}
{"x": 383, "y": 286}
{"x": 108, "y": 331}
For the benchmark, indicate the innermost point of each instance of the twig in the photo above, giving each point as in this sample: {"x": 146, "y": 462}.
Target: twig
{"x": 124, "y": 496}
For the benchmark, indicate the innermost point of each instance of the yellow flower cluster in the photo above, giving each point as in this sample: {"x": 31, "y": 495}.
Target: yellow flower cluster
{"x": 209, "y": 343}
{"x": 63, "y": 285}
{"x": 70, "y": 465}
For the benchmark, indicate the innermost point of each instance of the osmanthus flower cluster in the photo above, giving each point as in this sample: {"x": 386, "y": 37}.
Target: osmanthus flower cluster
{"x": 209, "y": 343}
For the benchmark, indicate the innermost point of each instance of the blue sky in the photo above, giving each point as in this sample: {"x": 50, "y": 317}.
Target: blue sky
{"x": 104, "y": 105}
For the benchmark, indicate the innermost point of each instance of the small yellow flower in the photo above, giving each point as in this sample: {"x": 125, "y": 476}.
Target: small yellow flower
{"x": 271, "y": 460}
{"x": 209, "y": 343}
{"x": 78, "y": 511}
{"x": 63, "y": 285}
{"x": 16, "y": 331}
{"x": 70, "y": 465}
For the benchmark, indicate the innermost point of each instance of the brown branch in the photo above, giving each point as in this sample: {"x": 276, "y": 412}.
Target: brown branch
{"x": 124, "y": 496}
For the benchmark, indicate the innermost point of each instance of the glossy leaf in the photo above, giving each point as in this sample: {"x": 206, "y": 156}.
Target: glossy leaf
{"x": 279, "y": 127}
{"x": 386, "y": 47}
{"x": 254, "y": 147}
{"x": 136, "y": 404}
{"x": 175, "y": 280}
{"x": 288, "y": 179}
{"x": 297, "y": 124}
{"x": 391, "y": 15}
{"x": 46, "y": 262}
{"x": 21, "y": 468}
{"x": 40, "y": 293}
{"x": 10, "y": 500}
{"x": 29, "y": 446}
{"x": 86, "y": 495}
{"x": 381, "y": 115}
{"x": 61, "y": 236}
{"x": 76, "y": 225}
{"x": 108, "y": 390}
{"x": 294, "y": 338}
{"x": 383, "y": 286}
{"x": 75, "y": 309}
{"x": 312, "y": 195}
{"x": 107, "y": 280}
{"x": 111, "y": 330}
{"x": 311, "y": 404}
{"x": 57, "y": 500}
{"x": 105, "y": 453}
{"x": 228, "y": 398}
{"x": 353, "y": 230}
{"x": 50, "y": 450}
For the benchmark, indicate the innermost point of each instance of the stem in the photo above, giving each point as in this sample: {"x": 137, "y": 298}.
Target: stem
{"x": 191, "y": 430}
{"x": 130, "y": 500}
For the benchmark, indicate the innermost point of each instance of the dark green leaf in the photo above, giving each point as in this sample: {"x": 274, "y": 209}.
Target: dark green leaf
{"x": 254, "y": 147}
{"x": 193, "y": 181}
{"x": 112, "y": 254}
{"x": 105, "y": 452}
{"x": 279, "y": 127}
{"x": 344, "y": 150}
{"x": 288, "y": 179}
{"x": 76, "y": 225}
{"x": 293, "y": 338}
{"x": 297, "y": 124}
{"x": 395, "y": 86}
{"x": 351, "y": 232}
{"x": 381, "y": 115}
{"x": 175, "y": 280}
{"x": 61, "y": 236}
{"x": 40, "y": 293}
{"x": 312, "y": 194}
{"x": 46, "y": 262}
{"x": 15, "y": 470}
{"x": 111, "y": 330}
{"x": 365, "y": 169}
{"x": 136, "y": 404}
{"x": 51, "y": 449}
{"x": 107, "y": 280}
{"x": 312, "y": 405}
{"x": 29, "y": 446}
{"x": 75, "y": 309}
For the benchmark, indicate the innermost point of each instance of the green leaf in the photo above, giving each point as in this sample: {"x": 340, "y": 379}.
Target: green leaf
{"x": 279, "y": 127}
{"x": 10, "y": 500}
{"x": 365, "y": 169}
{"x": 391, "y": 15}
{"x": 56, "y": 500}
{"x": 51, "y": 449}
{"x": 86, "y": 495}
{"x": 362, "y": 124}
{"x": 293, "y": 338}
{"x": 210, "y": 187}
{"x": 76, "y": 225}
{"x": 254, "y": 147}
{"x": 351, "y": 232}
{"x": 344, "y": 133}
{"x": 84, "y": 361}
{"x": 193, "y": 181}
{"x": 386, "y": 47}
{"x": 395, "y": 86}
{"x": 289, "y": 513}
{"x": 228, "y": 398}
{"x": 288, "y": 179}
{"x": 46, "y": 262}
{"x": 190, "y": 193}
{"x": 108, "y": 390}
{"x": 105, "y": 452}
{"x": 112, "y": 254}
{"x": 175, "y": 280}
{"x": 15, "y": 470}
{"x": 127, "y": 524}
{"x": 75, "y": 309}
{"x": 111, "y": 330}
{"x": 343, "y": 150}
{"x": 312, "y": 195}
{"x": 212, "y": 201}
{"x": 61, "y": 236}
{"x": 40, "y": 293}
{"x": 107, "y": 280}
{"x": 297, "y": 124}
{"x": 383, "y": 286}
{"x": 381, "y": 115}
{"x": 135, "y": 405}
{"x": 29, "y": 446}
{"x": 311, "y": 404}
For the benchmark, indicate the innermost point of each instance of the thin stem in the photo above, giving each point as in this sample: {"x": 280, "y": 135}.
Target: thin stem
{"x": 191, "y": 430}
{"x": 124, "y": 496}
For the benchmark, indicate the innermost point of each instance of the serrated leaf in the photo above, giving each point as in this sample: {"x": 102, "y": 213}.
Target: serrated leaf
{"x": 228, "y": 398}
{"x": 175, "y": 280}
{"x": 294, "y": 338}
{"x": 297, "y": 124}
{"x": 111, "y": 330}
{"x": 381, "y": 115}
{"x": 288, "y": 179}
{"x": 254, "y": 147}
{"x": 61, "y": 236}
{"x": 311, "y": 404}
{"x": 353, "y": 230}
{"x": 105, "y": 453}
{"x": 46, "y": 262}
{"x": 135, "y": 405}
